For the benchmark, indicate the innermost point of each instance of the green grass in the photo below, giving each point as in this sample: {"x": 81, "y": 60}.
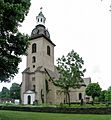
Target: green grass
{"x": 15, "y": 115}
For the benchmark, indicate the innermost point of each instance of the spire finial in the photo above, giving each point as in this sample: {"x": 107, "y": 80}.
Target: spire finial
{"x": 41, "y": 9}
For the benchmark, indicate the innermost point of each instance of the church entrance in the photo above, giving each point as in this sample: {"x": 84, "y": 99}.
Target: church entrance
{"x": 29, "y": 99}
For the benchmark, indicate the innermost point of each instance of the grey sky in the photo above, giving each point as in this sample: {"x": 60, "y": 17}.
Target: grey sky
{"x": 82, "y": 25}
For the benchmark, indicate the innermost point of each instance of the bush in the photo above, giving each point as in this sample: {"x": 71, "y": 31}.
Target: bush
{"x": 59, "y": 110}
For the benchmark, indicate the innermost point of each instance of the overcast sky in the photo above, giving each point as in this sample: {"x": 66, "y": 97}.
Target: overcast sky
{"x": 82, "y": 25}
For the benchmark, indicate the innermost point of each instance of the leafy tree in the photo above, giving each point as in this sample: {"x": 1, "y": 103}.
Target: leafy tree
{"x": 5, "y": 93}
{"x": 93, "y": 90}
{"x": 102, "y": 97}
{"x": 15, "y": 91}
{"x": 71, "y": 73}
{"x": 108, "y": 94}
{"x": 13, "y": 44}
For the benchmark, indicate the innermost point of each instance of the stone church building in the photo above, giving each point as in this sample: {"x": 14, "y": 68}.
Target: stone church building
{"x": 36, "y": 78}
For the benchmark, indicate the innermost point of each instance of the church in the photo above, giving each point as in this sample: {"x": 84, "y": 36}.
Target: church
{"x": 36, "y": 86}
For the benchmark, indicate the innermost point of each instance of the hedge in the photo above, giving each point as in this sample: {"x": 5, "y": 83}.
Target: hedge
{"x": 59, "y": 110}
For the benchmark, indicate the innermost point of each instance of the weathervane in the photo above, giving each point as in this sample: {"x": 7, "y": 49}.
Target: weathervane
{"x": 41, "y": 9}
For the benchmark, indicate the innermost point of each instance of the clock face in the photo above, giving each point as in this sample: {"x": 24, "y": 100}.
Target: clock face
{"x": 34, "y": 31}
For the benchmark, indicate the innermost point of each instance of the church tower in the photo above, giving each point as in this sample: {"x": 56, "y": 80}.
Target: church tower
{"x": 41, "y": 49}
{"x": 40, "y": 57}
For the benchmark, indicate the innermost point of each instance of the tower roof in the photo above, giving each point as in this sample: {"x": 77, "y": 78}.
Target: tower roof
{"x": 40, "y": 29}
{"x": 41, "y": 14}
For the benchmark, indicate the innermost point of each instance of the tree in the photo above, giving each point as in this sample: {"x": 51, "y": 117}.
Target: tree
{"x": 5, "y": 93}
{"x": 102, "y": 97}
{"x": 108, "y": 94}
{"x": 93, "y": 90}
{"x": 70, "y": 73}
{"x": 13, "y": 44}
{"x": 15, "y": 91}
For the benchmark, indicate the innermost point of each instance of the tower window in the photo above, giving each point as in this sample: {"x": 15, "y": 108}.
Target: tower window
{"x": 38, "y": 20}
{"x": 33, "y": 66}
{"x": 33, "y": 59}
{"x": 34, "y": 48}
{"x": 48, "y": 50}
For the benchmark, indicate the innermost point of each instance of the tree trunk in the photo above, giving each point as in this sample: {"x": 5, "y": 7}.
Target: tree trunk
{"x": 93, "y": 100}
{"x": 68, "y": 95}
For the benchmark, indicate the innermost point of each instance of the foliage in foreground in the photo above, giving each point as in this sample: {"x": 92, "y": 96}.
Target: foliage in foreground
{"x": 13, "y": 92}
{"x": 71, "y": 71}
{"x": 108, "y": 94}
{"x": 14, "y": 115}
{"x": 93, "y": 90}
{"x": 13, "y": 44}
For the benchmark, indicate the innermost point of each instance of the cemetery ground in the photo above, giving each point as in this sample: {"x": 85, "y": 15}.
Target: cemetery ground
{"x": 17, "y": 115}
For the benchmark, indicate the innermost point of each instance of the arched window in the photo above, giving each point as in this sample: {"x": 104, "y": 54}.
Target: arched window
{"x": 33, "y": 59}
{"x": 34, "y": 48}
{"x": 48, "y": 50}
{"x": 80, "y": 96}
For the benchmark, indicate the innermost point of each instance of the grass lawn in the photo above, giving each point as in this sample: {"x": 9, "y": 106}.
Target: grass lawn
{"x": 15, "y": 115}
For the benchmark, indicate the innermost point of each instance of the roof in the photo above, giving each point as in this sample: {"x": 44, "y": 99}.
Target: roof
{"x": 29, "y": 92}
{"x": 87, "y": 81}
{"x": 53, "y": 74}
{"x": 27, "y": 70}
{"x": 41, "y": 35}
{"x": 39, "y": 69}
{"x": 41, "y": 14}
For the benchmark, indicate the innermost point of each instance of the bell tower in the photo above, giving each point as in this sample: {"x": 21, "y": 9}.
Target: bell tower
{"x": 41, "y": 48}
{"x": 40, "y": 56}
